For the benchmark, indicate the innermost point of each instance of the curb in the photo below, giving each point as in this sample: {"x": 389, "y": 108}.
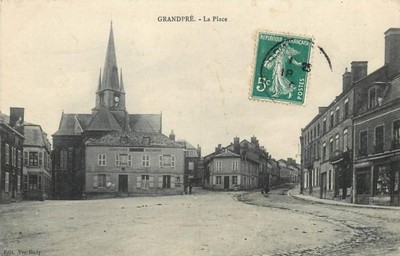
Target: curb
{"x": 332, "y": 202}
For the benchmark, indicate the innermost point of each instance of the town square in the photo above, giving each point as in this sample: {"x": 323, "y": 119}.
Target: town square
{"x": 185, "y": 128}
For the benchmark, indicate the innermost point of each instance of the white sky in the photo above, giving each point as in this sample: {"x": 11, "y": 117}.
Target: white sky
{"x": 197, "y": 74}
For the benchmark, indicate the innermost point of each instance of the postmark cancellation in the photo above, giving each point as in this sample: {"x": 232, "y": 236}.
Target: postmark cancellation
{"x": 282, "y": 65}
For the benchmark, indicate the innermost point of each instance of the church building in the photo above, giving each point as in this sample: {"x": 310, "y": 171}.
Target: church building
{"x": 111, "y": 152}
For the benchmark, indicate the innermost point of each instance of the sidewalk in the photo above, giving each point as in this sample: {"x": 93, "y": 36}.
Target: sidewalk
{"x": 295, "y": 193}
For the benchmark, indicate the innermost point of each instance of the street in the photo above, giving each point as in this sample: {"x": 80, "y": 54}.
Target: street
{"x": 206, "y": 223}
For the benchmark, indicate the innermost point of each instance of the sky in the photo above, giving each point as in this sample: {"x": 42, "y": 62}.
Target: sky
{"x": 197, "y": 74}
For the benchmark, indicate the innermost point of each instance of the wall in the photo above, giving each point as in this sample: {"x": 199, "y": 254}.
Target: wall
{"x": 135, "y": 171}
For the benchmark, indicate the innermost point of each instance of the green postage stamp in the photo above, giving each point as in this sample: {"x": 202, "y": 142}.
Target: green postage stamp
{"x": 281, "y": 68}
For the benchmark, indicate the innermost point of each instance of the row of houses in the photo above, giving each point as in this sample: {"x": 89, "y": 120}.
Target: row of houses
{"x": 350, "y": 150}
{"x": 246, "y": 165}
{"x": 25, "y": 159}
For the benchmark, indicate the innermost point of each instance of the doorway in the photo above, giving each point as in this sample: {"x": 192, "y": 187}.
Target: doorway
{"x": 226, "y": 182}
{"x": 166, "y": 181}
{"x": 323, "y": 185}
{"x": 123, "y": 183}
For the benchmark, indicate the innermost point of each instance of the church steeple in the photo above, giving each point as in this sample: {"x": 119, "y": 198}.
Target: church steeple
{"x": 110, "y": 92}
{"x": 121, "y": 88}
{"x": 110, "y": 71}
{"x": 99, "y": 86}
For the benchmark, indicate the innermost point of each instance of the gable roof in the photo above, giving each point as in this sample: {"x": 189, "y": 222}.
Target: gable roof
{"x": 34, "y": 136}
{"x": 103, "y": 120}
{"x": 227, "y": 154}
{"x": 134, "y": 139}
{"x": 145, "y": 122}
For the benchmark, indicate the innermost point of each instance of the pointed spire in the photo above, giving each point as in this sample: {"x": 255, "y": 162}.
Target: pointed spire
{"x": 110, "y": 71}
{"x": 121, "y": 88}
{"x": 99, "y": 86}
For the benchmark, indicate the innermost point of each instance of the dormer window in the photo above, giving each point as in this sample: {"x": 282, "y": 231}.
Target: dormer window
{"x": 124, "y": 139}
{"x": 146, "y": 140}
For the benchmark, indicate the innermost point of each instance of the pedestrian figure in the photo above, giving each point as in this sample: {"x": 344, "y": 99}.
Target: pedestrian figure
{"x": 190, "y": 188}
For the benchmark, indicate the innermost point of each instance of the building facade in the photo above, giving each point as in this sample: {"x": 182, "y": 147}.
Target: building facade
{"x": 193, "y": 176}
{"x": 37, "y": 171}
{"x": 111, "y": 152}
{"x": 331, "y": 142}
{"x": 327, "y": 142}
{"x": 11, "y": 148}
{"x": 241, "y": 165}
{"x": 377, "y": 131}
{"x": 289, "y": 171}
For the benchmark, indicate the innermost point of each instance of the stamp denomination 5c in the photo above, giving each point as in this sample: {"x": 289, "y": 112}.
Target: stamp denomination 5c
{"x": 281, "y": 68}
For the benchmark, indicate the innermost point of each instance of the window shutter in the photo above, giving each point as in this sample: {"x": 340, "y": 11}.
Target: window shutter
{"x": 151, "y": 179}
{"x": 172, "y": 161}
{"x": 116, "y": 159}
{"x": 173, "y": 180}
{"x": 19, "y": 184}
{"x": 160, "y": 161}
{"x": 108, "y": 180}
{"x": 160, "y": 182}
{"x": 25, "y": 158}
{"x": 7, "y": 181}
{"x": 138, "y": 181}
{"x": 95, "y": 181}
{"x": 40, "y": 158}
{"x": 130, "y": 160}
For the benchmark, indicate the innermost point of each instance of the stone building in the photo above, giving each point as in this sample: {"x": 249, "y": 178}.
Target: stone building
{"x": 377, "y": 130}
{"x": 193, "y": 175}
{"x": 11, "y": 148}
{"x": 37, "y": 172}
{"x": 289, "y": 170}
{"x": 327, "y": 141}
{"x": 330, "y": 143}
{"x": 241, "y": 165}
{"x": 111, "y": 152}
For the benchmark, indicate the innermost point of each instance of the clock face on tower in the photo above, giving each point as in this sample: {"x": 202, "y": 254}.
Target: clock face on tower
{"x": 116, "y": 100}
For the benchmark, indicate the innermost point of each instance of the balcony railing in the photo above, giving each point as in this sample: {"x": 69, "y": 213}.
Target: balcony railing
{"x": 362, "y": 152}
{"x": 378, "y": 148}
{"x": 396, "y": 144}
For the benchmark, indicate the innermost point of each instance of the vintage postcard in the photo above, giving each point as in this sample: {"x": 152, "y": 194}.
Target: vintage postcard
{"x": 199, "y": 128}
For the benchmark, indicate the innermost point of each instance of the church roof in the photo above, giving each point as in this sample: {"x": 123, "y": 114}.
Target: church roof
{"x": 106, "y": 117}
{"x": 106, "y": 120}
{"x": 73, "y": 124}
{"x": 134, "y": 139}
{"x": 103, "y": 120}
{"x": 145, "y": 122}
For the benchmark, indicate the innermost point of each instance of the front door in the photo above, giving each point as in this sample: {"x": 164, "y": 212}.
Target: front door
{"x": 166, "y": 181}
{"x": 123, "y": 183}
{"x": 323, "y": 185}
{"x": 226, "y": 182}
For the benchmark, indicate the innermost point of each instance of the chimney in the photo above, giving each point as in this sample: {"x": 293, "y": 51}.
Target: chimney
{"x": 218, "y": 149}
{"x": 253, "y": 140}
{"x": 17, "y": 119}
{"x": 236, "y": 145}
{"x": 392, "y": 51}
{"x": 198, "y": 150}
{"x": 172, "y": 135}
{"x": 346, "y": 80}
{"x": 358, "y": 70}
